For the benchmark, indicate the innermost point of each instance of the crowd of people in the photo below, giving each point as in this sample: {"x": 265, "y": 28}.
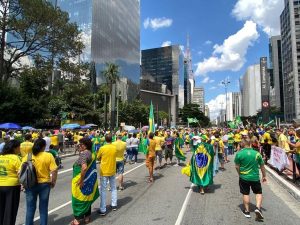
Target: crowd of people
{"x": 209, "y": 148}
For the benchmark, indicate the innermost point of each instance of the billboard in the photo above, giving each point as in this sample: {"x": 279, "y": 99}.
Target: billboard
{"x": 265, "y": 90}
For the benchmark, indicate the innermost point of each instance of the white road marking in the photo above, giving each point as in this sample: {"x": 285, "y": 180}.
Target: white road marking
{"x": 69, "y": 202}
{"x": 183, "y": 208}
{"x": 65, "y": 171}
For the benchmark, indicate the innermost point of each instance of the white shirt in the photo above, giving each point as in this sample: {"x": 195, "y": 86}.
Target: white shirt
{"x": 48, "y": 143}
{"x": 196, "y": 140}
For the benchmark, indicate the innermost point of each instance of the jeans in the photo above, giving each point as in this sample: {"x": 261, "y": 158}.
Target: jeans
{"x": 43, "y": 191}
{"x": 134, "y": 153}
{"x": 216, "y": 164}
{"x": 129, "y": 154}
{"x": 113, "y": 187}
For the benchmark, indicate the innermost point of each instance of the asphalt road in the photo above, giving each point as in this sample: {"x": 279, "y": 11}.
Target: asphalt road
{"x": 172, "y": 200}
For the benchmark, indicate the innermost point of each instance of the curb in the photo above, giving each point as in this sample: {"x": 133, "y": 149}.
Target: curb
{"x": 294, "y": 191}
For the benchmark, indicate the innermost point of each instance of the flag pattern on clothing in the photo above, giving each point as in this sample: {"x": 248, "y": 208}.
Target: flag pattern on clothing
{"x": 178, "y": 151}
{"x": 151, "y": 119}
{"x": 143, "y": 147}
{"x": 202, "y": 165}
{"x": 83, "y": 198}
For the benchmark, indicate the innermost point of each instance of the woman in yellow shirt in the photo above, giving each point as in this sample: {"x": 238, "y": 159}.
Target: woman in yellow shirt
{"x": 45, "y": 166}
{"x": 10, "y": 188}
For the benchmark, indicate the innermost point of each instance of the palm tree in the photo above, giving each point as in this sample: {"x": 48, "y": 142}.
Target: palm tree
{"x": 111, "y": 75}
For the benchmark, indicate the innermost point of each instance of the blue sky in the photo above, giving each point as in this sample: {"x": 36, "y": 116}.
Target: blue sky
{"x": 226, "y": 36}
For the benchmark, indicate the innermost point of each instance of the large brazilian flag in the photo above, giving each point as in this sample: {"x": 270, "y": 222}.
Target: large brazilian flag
{"x": 143, "y": 146}
{"x": 83, "y": 198}
{"x": 202, "y": 165}
{"x": 178, "y": 151}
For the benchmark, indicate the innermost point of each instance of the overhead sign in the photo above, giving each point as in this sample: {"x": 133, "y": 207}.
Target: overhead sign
{"x": 265, "y": 90}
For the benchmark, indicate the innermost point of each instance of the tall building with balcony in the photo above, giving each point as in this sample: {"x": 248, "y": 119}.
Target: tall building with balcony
{"x": 250, "y": 85}
{"x": 275, "y": 70}
{"x": 198, "y": 98}
{"x": 161, "y": 76}
{"x": 290, "y": 49}
{"x": 111, "y": 34}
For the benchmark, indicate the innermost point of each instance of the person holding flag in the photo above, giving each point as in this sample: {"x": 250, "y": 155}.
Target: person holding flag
{"x": 178, "y": 151}
{"x": 201, "y": 166}
{"x": 151, "y": 120}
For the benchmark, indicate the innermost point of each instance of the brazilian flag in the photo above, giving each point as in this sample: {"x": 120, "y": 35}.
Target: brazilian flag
{"x": 143, "y": 146}
{"x": 202, "y": 165}
{"x": 83, "y": 198}
{"x": 178, "y": 152}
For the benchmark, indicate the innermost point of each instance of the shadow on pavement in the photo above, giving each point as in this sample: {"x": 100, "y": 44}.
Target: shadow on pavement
{"x": 129, "y": 183}
{"x": 252, "y": 207}
{"x": 208, "y": 190}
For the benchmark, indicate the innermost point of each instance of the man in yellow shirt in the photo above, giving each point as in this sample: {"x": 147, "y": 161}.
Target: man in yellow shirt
{"x": 54, "y": 140}
{"x": 107, "y": 157}
{"x": 26, "y": 146}
{"x": 120, "y": 147}
{"x": 283, "y": 141}
{"x": 267, "y": 144}
{"x": 158, "y": 147}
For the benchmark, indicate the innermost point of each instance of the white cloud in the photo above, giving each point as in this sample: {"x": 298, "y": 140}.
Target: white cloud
{"x": 211, "y": 81}
{"x": 263, "y": 12}
{"x": 213, "y": 88}
{"x": 215, "y": 105}
{"x": 182, "y": 49}
{"x": 231, "y": 54}
{"x": 157, "y": 23}
{"x": 166, "y": 43}
{"x": 208, "y": 42}
{"x": 205, "y": 80}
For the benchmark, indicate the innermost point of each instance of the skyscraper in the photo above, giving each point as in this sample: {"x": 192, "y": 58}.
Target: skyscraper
{"x": 198, "y": 98}
{"x": 234, "y": 106}
{"x": 251, "y": 91}
{"x": 290, "y": 49}
{"x": 189, "y": 82}
{"x": 111, "y": 33}
{"x": 276, "y": 78}
{"x": 162, "y": 69}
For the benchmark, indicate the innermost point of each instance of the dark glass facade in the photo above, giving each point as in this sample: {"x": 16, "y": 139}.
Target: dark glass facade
{"x": 111, "y": 33}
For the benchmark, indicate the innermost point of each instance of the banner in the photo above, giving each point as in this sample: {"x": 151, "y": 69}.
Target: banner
{"x": 265, "y": 90}
{"x": 278, "y": 158}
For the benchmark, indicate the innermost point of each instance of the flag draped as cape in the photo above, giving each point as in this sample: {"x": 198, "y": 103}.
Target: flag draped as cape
{"x": 143, "y": 146}
{"x": 83, "y": 198}
{"x": 202, "y": 165}
{"x": 178, "y": 151}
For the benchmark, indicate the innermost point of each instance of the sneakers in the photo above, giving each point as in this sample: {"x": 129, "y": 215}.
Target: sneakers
{"x": 101, "y": 213}
{"x": 259, "y": 215}
{"x": 114, "y": 208}
{"x": 246, "y": 214}
{"x": 121, "y": 188}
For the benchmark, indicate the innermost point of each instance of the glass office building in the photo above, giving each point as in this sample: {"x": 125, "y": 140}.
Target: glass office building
{"x": 111, "y": 33}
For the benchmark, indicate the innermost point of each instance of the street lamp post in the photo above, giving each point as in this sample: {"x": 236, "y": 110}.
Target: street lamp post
{"x": 225, "y": 83}
{"x": 118, "y": 98}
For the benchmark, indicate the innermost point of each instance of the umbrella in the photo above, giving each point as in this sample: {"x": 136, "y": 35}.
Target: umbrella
{"x": 133, "y": 131}
{"x": 70, "y": 126}
{"x": 85, "y": 127}
{"x": 28, "y": 128}
{"x": 9, "y": 126}
{"x": 129, "y": 127}
{"x": 144, "y": 128}
{"x": 91, "y": 125}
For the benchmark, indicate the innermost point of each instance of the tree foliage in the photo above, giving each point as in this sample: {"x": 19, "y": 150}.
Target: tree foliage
{"x": 193, "y": 111}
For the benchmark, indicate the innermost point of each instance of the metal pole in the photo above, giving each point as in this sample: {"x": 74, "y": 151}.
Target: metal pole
{"x": 117, "y": 124}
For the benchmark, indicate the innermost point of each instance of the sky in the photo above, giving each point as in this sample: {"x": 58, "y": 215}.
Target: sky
{"x": 226, "y": 36}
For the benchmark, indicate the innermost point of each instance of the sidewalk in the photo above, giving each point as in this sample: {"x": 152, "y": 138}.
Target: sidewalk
{"x": 292, "y": 188}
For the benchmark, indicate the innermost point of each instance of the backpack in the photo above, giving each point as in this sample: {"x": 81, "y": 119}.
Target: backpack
{"x": 27, "y": 176}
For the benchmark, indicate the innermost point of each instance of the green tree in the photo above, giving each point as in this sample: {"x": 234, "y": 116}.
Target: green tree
{"x": 193, "y": 111}
{"x": 34, "y": 28}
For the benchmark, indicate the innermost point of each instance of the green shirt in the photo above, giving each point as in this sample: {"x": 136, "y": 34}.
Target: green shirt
{"x": 249, "y": 161}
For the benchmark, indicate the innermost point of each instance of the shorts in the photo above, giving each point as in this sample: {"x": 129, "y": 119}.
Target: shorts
{"x": 245, "y": 187}
{"x": 120, "y": 167}
{"x": 150, "y": 161}
{"x": 159, "y": 154}
{"x": 221, "y": 157}
{"x": 169, "y": 153}
{"x": 226, "y": 151}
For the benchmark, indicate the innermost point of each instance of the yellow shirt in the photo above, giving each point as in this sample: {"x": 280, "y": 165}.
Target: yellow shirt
{"x": 25, "y": 148}
{"x": 107, "y": 156}
{"x": 35, "y": 136}
{"x": 221, "y": 144}
{"x": 267, "y": 137}
{"x": 9, "y": 167}
{"x": 120, "y": 147}
{"x": 237, "y": 137}
{"x": 44, "y": 164}
{"x": 54, "y": 140}
{"x": 283, "y": 142}
{"x": 159, "y": 142}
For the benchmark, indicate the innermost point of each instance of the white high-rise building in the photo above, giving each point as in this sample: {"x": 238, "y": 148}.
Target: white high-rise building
{"x": 198, "y": 98}
{"x": 234, "y": 107}
{"x": 251, "y": 91}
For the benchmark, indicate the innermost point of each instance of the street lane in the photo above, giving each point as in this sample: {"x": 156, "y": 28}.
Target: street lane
{"x": 162, "y": 201}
